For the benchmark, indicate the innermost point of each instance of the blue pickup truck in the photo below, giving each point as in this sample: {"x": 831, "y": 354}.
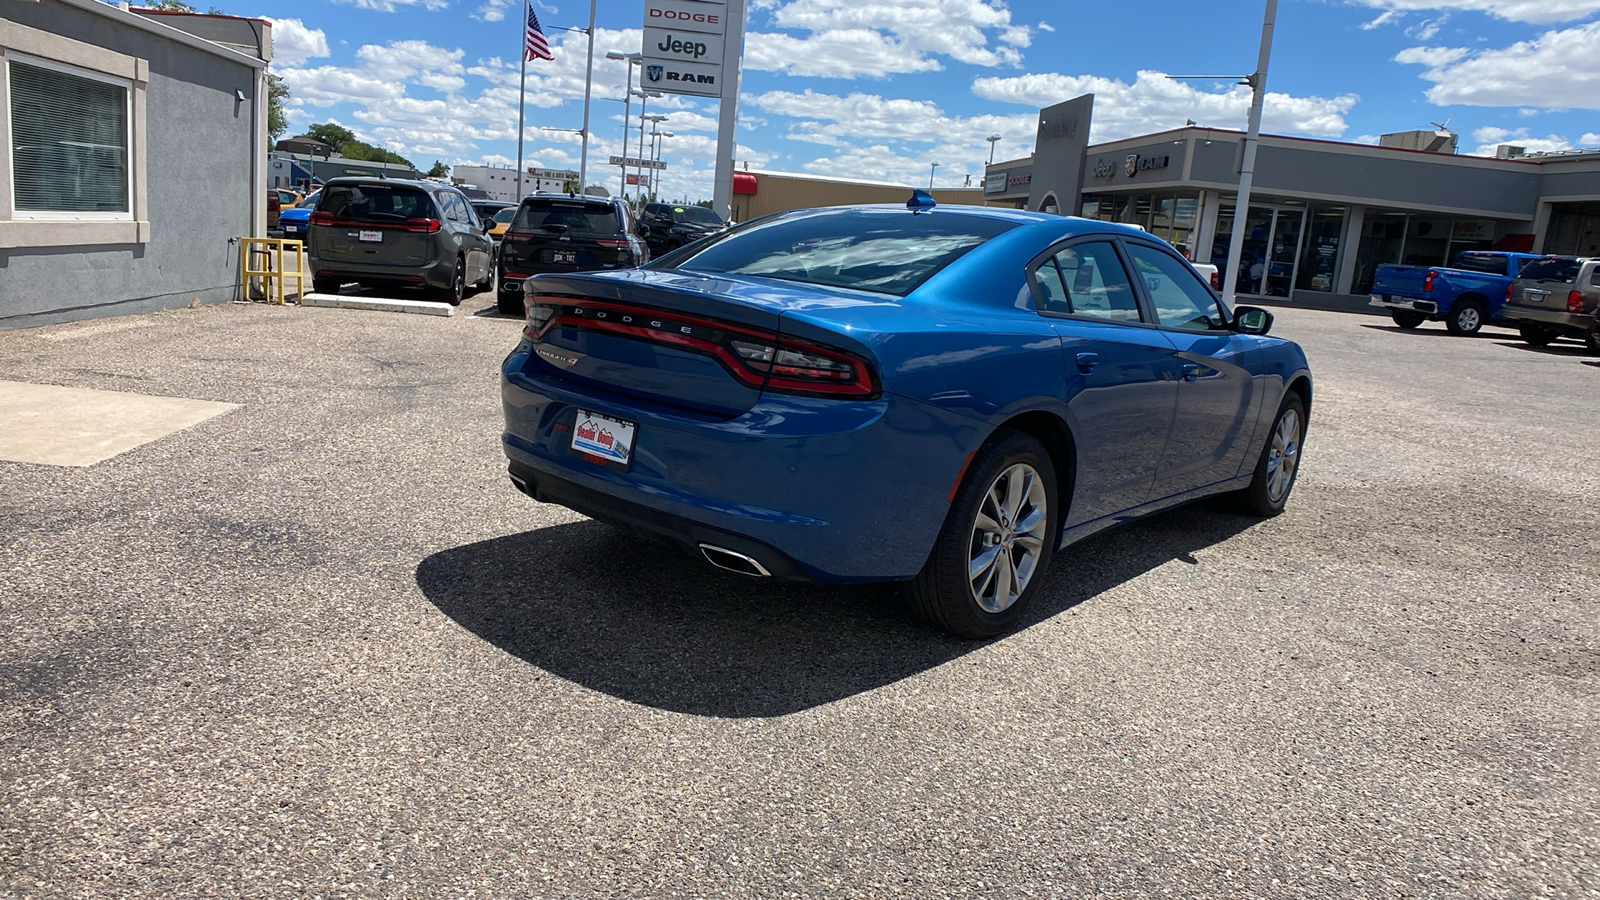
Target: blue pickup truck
{"x": 1464, "y": 297}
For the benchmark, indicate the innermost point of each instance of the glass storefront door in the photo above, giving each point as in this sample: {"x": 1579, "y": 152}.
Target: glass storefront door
{"x": 1271, "y": 249}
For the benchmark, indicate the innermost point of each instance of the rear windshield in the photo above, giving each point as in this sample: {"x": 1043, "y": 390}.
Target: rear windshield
{"x": 1553, "y": 270}
{"x": 376, "y": 203}
{"x": 884, "y": 251}
{"x": 566, "y": 218}
{"x": 1491, "y": 263}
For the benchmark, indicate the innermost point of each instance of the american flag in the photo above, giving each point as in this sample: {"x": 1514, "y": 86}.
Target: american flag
{"x": 534, "y": 46}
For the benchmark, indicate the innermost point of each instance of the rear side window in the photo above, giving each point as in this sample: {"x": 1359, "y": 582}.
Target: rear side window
{"x": 376, "y": 203}
{"x": 567, "y": 218}
{"x": 1488, "y": 263}
{"x": 1096, "y": 284}
{"x": 1565, "y": 270}
{"x": 882, "y": 251}
{"x": 506, "y": 215}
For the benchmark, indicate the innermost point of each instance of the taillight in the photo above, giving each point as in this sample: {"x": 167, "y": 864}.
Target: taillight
{"x": 1427, "y": 281}
{"x": 612, "y": 244}
{"x": 516, "y": 235}
{"x": 1574, "y": 301}
{"x": 321, "y": 218}
{"x": 1508, "y": 293}
{"x": 759, "y": 359}
{"x": 1216, "y": 280}
{"x": 425, "y": 226}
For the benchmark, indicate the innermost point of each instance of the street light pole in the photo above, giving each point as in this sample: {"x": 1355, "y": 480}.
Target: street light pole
{"x": 1247, "y": 166}
{"x": 588, "y": 89}
{"x": 644, "y": 97}
{"x": 930, "y": 175}
{"x": 627, "y": 115}
{"x": 992, "y": 139}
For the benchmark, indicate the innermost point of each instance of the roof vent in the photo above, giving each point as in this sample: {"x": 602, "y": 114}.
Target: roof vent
{"x": 1510, "y": 151}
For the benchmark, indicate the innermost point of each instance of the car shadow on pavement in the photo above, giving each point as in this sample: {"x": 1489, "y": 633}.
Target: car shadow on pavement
{"x": 655, "y": 626}
{"x": 1555, "y": 349}
{"x": 1438, "y": 331}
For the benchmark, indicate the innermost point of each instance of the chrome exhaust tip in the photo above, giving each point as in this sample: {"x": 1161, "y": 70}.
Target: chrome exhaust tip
{"x": 723, "y": 558}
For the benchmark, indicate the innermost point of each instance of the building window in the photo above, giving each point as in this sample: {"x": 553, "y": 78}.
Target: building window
{"x": 69, "y": 141}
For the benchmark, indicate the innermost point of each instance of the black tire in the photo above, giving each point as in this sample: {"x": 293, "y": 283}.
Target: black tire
{"x": 1537, "y": 335}
{"x": 325, "y": 285}
{"x": 942, "y": 592}
{"x": 510, "y": 304}
{"x": 457, "y": 291}
{"x": 1268, "y": 494}
{"x": 1592, "y": 338}
{"x": 1466, "y": 318}
{"x": 1407, "y": 319}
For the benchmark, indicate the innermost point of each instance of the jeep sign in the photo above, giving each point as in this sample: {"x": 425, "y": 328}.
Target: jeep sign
{"x": 684, "y": 46}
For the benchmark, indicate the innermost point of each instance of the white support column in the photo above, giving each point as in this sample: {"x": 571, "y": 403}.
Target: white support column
{"x": 1355, "y": 221}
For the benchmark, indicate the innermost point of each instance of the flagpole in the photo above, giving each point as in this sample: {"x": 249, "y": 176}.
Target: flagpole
{"x": 522, "y": 97}
{"x": 588, "y": 85}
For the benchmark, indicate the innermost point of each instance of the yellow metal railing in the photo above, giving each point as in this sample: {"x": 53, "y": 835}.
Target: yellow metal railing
{"x": 273, "y": 254}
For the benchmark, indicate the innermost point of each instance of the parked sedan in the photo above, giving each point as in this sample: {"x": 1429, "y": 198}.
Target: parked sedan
{"x": 943, "y": 397}
{"x": 296, "y": 221}
{"x": 387, "y": 233}
{"x": 1558, "y": 296}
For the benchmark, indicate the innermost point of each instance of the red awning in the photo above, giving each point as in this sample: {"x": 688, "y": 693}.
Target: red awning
{"x": 744, "y": 183}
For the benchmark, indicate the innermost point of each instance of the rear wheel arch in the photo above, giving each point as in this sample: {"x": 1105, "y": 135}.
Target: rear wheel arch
{"x": 1053, "y": 432}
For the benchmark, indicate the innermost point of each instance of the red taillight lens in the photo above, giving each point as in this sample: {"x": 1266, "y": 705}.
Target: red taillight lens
{"x": 759, "y": 359}
{"x": 1427, "y": 281}
{"x": 614, "y": 245}
{"x": 321, "y": 218}
{"x": 1508, "y": 293}
{"x": 424, "y": 226}
{"x": 516, "y": 235}
{"x": 1574, "y": 301}
{"x": 1216, "y": 281}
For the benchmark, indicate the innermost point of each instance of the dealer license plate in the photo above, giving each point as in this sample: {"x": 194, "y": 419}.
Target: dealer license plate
{"x": 602, "y": 436}
{"x": 371, "y": 237}
{"x": 564, "y": 256}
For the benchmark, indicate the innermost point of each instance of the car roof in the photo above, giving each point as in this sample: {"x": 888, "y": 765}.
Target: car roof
{"x": 1065, "y": 226}
{"x": 398, "y": 182}
{"x": 571, "y": 198}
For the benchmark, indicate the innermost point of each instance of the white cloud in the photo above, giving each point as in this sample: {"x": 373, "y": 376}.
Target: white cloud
{"x": 1366, "y": 139}
{"x": 293, "y": 43}
{"x": 876, "y": 38}
{"x": 1430, "y": 56}
{"x": 1558, "y": 69}
{"x": 1427, "y": 28}
{"x": 1536, "y": 11}
{"x": 1382, "y": 20}
{"x": 390, "y": 6}
{"x": 492, "y": 11}
{"x": 1589, "y": 139}
{"x": 1154, "y": 102}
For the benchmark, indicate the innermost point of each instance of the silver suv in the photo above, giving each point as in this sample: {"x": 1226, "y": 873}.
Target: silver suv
{"x": 1557, "y": 296}
{"x": 386, "y": 233}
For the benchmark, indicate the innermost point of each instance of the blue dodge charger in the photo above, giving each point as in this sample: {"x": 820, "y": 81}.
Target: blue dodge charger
{"x": 941, "y": 396}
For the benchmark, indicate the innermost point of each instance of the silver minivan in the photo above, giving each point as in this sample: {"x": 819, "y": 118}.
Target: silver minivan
{"x": 387, "y": 233}
{"x": 1556, "y": 297}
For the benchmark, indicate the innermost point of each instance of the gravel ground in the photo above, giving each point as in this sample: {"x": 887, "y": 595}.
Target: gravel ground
{"x": 319, "y": 647}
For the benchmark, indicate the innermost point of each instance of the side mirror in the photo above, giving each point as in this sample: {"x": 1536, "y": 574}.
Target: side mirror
{"x": 1251, "y": 320}
{"x": 643, "y": 229}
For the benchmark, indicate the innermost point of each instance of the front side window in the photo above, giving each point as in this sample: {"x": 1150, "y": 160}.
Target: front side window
{"x": 881, "y": 251}
{"x": 69, "y": 142}
{"x": 1180, "y": 299}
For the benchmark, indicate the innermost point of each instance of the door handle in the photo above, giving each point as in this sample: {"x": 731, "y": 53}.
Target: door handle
{"x": 1087, "y": 362}
{"x": 1191, "y": 372}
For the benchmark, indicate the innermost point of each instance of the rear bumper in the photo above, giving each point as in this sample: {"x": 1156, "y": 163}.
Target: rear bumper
{"x": 1407, "y": 304}
{"x": 1570, "y": 323}
{"x": 432, "y": 273}
{"x": 831, "y": 491}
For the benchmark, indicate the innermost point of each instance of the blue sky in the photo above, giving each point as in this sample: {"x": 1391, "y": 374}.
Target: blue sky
{"x": 881, "y": 89}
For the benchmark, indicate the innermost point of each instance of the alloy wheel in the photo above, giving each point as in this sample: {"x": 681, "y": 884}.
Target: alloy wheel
{"x": 1283, "y": 456}
{"x": 1007, "y": 539}
{"x": 1468, "y": 320}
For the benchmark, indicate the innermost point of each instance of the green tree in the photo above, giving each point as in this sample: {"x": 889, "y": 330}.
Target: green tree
{"x": 439, "y": 169}
{"x": 277, "y": 116}
{"x": 349, "y": 146}
{"x": 180, "y": 6}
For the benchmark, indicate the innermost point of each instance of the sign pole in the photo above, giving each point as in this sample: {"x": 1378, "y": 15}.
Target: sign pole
{"x": 728, "y": 116}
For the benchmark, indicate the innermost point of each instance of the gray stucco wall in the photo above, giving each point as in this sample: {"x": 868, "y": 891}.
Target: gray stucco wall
{"x": 198, "y": 173}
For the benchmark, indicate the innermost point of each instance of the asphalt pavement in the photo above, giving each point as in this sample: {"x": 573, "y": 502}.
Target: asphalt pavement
{"x": 320, "y": 647}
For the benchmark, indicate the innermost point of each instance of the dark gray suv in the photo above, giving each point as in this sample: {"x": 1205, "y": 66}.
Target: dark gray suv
{"x": 386, "y": 233}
